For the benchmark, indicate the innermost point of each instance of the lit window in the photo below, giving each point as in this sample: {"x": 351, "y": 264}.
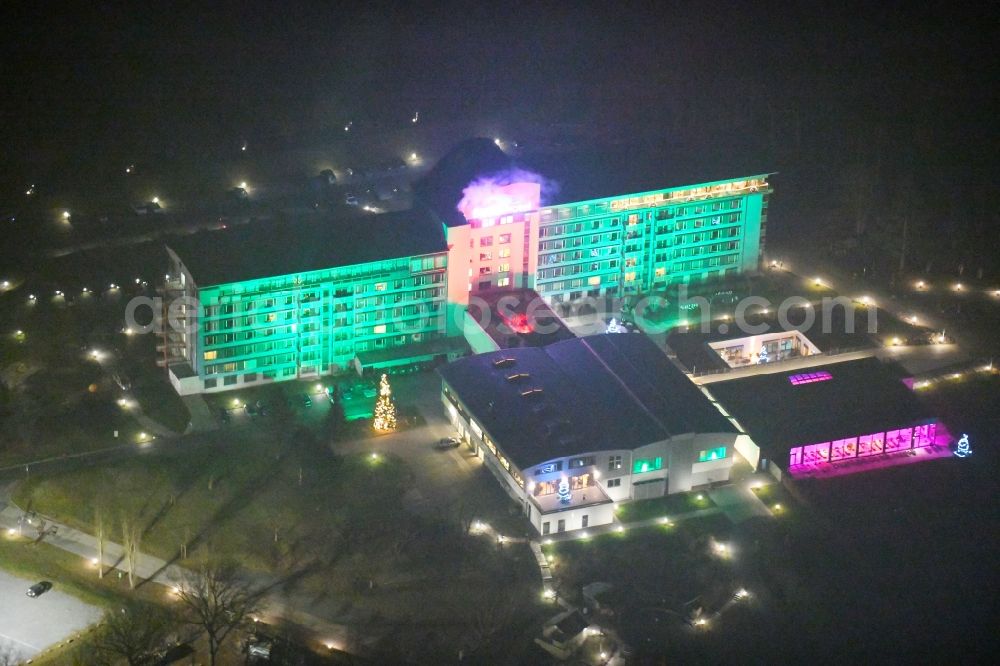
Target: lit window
{"x": 503, "y": 282}
{"x": 661, "y": 271}
{"x": 630, "y": 276}
{"x": 379, "y": 329}
{"x": 641, "y": 465}
{"x": 717, "y": 453}
{"x": 504, "y": 268}
{"x": 504, "y": 252}
{"x": 211, "y": 355}
{"x": 594, "y": 281}
{"x": 810, "y": 377}
{"x": 380, "y": 286}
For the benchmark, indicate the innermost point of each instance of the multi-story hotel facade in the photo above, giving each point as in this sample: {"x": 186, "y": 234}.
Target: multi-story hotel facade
{"x": 615, "y": 246}
{"x": 269, "y": 302}
{"x": 304, "y": 323}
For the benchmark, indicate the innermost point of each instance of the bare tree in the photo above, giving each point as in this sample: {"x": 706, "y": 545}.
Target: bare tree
{"x": 99, "y": 525}
{"x": 8, "y": 657}
{"x": 218, "y": 600}
{"x": 132, "y": 633}
{"x": 495, "y": 610}
{"x": 130, "y": 543}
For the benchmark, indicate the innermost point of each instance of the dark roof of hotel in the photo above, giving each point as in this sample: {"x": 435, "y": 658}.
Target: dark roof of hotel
{"x": 608, "y": 391}
{"x": 864, "y": 396}
{"x": 546, "y": 326}
{"x": 579, "y": 175}
{"x": 265, "y": 248}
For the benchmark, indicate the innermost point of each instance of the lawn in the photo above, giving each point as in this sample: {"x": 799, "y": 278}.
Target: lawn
{"x": 342, "y": 538}
{"x": 668, "y": 505}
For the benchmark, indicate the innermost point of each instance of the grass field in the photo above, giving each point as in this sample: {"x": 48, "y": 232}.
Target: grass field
{"x": 667, "y": 505}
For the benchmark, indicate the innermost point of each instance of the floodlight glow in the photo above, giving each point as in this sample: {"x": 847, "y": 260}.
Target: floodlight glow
{"x": 156, "y": 200}
{"x": 243, "y": 185}
{"x": 486, "y": 199}
{"x": 65, "y": 215}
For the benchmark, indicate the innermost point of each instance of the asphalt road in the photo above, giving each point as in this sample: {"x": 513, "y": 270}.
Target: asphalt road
{"x": 28, "y": 626}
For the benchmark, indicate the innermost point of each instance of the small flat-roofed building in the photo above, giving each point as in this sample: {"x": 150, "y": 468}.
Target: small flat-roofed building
{"x": 573, "y": 428}
{"x": 831, "y": 419}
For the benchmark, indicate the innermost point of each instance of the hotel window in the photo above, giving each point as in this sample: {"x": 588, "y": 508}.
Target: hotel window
{"x": 581, "y": 462}
{"x": 717, "y": 453}
{"x": 614, "y": 483}
{"x": 504, "y": 252}
{"x": 614, "y": 462}
{"x": 503, "y": 282}
{"x": 661, "y": 271}
{"x": 484, "y": 270}
{"x": 485, "y": 256}
{"x": 504, "y": 239}
{"x": 641, "y": 465}
{"x": 504, "y": 268}
{"x": 594, "y": 281}
{"x": 379, "y": 329}
{"x": 485, "y": 284}
{"x": 486, "y": 241}
{"x": 380, "y": 286}
{"x": 630, "y": 276}
{"x": 211, "y": 355}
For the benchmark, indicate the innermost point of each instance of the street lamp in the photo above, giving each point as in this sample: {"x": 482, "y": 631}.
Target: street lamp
{"x": 156, "y": 200}
{"x": 65, "y": 215}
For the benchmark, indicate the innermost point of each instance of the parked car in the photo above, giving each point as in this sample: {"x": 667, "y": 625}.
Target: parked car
{"x": 38, "y": 589}
{"x": 448, "y": 443}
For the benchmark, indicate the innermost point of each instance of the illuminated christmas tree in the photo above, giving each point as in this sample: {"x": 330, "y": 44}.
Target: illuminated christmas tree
{"x": 385, "y": 408}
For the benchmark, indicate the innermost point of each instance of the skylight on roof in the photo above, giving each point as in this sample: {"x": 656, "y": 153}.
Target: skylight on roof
{"x": 809, "y": 377}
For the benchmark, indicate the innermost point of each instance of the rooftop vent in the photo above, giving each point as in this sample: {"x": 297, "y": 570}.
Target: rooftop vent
{"x": 504, "y": 362}
{"x": 518, "y": 376}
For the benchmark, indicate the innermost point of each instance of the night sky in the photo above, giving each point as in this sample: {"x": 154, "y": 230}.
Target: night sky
{"x": 901, "y": 91}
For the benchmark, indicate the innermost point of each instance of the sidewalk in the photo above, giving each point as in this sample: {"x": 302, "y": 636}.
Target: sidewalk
{"x": 161, "y": 572}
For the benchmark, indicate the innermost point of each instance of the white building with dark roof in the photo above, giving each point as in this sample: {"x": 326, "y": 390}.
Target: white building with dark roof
{"x": 575, "y": 427}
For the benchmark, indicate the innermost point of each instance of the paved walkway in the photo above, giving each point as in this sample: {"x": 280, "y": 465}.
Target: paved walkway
{"x": 160, "y": 571}
{"x": 201, "y": 416}
{"x": 739, "y": 502}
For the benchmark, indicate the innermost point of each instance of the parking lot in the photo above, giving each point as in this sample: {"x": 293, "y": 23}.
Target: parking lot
{"x": 28, "y": 626}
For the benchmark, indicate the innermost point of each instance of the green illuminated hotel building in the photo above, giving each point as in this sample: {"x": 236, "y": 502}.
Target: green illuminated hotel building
{"x": 278, "y": 301}
{"x": 273, "y": 301}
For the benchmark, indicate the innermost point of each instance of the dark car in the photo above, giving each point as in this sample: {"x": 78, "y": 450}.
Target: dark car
{"x": 448, "y": 443}
{"x": 305, "y": 400}
{"x": 38, "y": 589}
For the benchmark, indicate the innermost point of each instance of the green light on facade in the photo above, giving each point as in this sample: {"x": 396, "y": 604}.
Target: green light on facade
{"x": 718, "y": 453}
{"x": 641, "y": 465}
